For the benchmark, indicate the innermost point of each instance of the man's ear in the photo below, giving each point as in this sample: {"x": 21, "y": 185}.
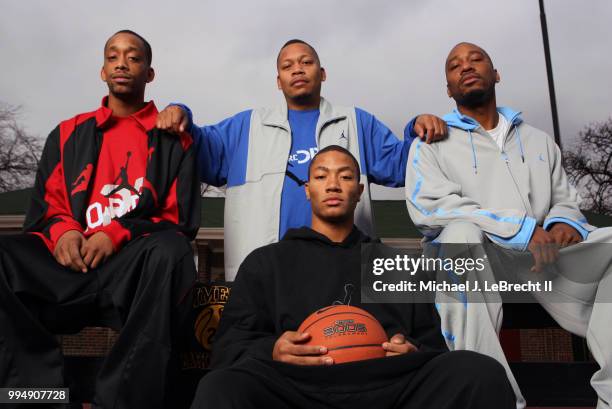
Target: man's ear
{"x": 278, "y": 84}
{"x": 150, "y": 75}
{"x": 307, "y": 191}
{"x": 361, "y": 187}
{"x": 497, "y": 77}
{"x": 102, "y": 74}
{"x": 448, "y": 91}
{"x": 323, "y": 74}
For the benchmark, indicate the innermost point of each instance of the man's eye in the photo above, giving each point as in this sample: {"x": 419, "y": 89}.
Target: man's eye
{"x": 347, "y": 177}
{"x": 135, "y": 59}
{"x": 111, "y": 57}
{"x": 319, "y": 177}
{"x": 307, "y": 62}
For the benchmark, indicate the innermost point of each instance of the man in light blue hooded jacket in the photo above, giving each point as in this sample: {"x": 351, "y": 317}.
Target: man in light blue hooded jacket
{"x": 497, "y": 180}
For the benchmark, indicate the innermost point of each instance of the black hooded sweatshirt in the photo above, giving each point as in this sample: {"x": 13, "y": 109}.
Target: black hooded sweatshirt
{"x": 281, "y": 284}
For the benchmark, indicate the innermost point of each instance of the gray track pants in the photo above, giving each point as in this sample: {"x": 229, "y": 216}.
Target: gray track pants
{"x": 579, "y": 306}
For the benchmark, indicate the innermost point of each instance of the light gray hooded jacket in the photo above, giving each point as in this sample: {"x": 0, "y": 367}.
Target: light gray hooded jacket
{"x": 505, "y": 192}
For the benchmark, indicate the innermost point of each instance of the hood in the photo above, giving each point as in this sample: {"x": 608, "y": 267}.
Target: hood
{"x": 457, "y": 120}
{"x": 306, "y": 233}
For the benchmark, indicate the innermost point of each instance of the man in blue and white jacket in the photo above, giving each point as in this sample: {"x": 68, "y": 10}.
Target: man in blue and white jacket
{"x": 248, "y": 152}
{"x": 497, "y": 180}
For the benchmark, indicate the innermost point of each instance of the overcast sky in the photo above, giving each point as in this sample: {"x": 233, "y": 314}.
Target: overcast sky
{"x": 384, "y": 56}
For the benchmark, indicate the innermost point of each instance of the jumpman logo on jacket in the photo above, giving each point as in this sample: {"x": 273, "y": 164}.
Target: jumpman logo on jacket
{"x": 123, "y": 177}
{"x": 82, "y": 181}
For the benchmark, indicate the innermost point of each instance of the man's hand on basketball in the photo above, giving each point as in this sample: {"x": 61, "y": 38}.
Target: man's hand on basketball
{"x": 172, "y": 119}
{"x": 430, "y": 128}
{"x": 289, "y": 348}
{"x": 398, "y": 345}
{"x": 565, "y": 235}
{"x": 68, "y": 250}
{"x": 544, "y": 249}
{"x": 97, "y": 249}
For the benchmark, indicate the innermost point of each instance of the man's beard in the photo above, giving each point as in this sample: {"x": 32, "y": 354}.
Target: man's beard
{"x": 475, "y": 98}
{"x": 123, "y": 93}
{"x": 303, "y": 98}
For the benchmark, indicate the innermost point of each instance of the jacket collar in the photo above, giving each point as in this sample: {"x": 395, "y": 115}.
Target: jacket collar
{"x": 277, "y": 116}
{"x": 146, "y": 117}
{"x": 457, "y": 120}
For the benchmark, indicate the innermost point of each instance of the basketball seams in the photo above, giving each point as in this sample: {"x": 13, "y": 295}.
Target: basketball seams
{"x": 355, "y": 346}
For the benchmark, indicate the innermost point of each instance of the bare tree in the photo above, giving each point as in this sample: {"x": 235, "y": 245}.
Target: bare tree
{"x": 589, "y": 167}
{"x": 19, "y": 152}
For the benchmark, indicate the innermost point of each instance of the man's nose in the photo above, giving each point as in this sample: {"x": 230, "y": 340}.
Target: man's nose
{"x": 466, "y": 66}
{"x": 298, "y": 70}
{"x": 121, "y": 64}
{"x": 333, "y": 184}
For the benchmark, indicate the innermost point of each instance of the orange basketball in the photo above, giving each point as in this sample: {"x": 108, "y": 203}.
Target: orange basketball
{"x": 349, "y": 333}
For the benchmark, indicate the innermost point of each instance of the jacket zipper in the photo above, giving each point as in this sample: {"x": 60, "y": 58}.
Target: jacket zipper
{"x": 516, "y": 185}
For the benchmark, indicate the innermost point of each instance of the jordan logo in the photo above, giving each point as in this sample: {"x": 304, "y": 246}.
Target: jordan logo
{"x": 82, "y": 181}
{"x": 123, "y": 177}
{"x": 122, "y": 198}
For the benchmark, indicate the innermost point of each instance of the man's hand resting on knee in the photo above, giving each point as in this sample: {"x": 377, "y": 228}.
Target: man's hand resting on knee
{"x": 564, "y": 234}
{"x": 398, "y": 345}
{"x": 97, "y": 249}
{"x": 68, "y": 250}
{"x": 74, "y": 251}
{"x": 543, "y": 248}
{"x": 290, "y": 348}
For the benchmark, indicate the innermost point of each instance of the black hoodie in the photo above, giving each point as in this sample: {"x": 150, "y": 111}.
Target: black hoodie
{"x": 281, "y": 284}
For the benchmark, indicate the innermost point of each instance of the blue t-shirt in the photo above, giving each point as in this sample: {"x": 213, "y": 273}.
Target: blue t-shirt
{"x": 295, "y": 209}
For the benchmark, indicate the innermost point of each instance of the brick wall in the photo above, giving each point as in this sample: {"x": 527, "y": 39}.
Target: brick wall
{"x": 91, "y": 341}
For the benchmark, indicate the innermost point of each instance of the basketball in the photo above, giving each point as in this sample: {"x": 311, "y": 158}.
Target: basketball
{"x": 349, "y": 333}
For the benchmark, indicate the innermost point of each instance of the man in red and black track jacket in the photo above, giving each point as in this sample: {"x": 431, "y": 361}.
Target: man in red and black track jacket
{"x": 77, "y": 190}
{"x": 114, "y": 207}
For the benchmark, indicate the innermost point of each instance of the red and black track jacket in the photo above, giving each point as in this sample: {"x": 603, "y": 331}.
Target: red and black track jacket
{"x": 169, "y": 197}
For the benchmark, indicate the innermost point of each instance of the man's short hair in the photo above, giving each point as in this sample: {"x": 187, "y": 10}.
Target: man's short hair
{"x": 336, "y": 148}
{"x": 147, "y": 46}
{"x": 298, "y": 41}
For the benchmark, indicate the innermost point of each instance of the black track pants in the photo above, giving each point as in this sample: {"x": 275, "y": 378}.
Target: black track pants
{"x": 142, "y": 290}
{"x": 457, "y": 380}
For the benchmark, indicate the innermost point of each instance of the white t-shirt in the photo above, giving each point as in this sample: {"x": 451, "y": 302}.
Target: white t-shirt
{"x": 500, "y": 131}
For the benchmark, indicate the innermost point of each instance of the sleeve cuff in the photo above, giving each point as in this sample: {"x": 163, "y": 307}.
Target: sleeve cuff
{"x": 520, "y": 240}
{"x": 409, "y": 134}
{"x": 549, "y": 222}
{"x": 118, "y": 234}
{"x": 59, "y": 228}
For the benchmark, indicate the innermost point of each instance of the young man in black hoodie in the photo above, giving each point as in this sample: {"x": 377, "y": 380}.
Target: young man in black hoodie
{"x": 259, "y": 359}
